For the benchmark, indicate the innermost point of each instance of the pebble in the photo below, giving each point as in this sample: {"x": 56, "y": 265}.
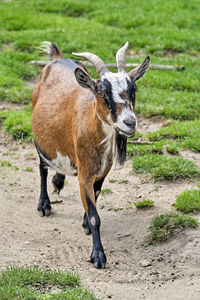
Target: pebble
{"x": 145, "y": 263}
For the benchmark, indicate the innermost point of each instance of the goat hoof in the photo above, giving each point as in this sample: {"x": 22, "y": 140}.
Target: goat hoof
{"x": 47, "y": 212}
{"x": 44, "y": 212}
{"x": 98, "y": 259}
{"x": 41, "y": 212}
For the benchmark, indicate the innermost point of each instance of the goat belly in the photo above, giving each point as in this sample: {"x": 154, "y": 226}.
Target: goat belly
{"x": 61, "y": 164}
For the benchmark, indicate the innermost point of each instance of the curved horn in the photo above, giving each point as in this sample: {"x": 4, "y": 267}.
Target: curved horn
{"x": 95, "y": 60}
{"x": 120, "y": 58}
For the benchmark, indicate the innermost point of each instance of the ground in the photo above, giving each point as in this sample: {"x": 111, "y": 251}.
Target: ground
{"x": 135, "y": 270}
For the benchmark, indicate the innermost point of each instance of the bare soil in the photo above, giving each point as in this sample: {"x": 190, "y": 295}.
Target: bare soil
{"x": 135, "y": 270}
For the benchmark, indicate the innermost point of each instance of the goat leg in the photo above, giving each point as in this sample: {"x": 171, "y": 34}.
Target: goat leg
{"x": 44, "y": 206}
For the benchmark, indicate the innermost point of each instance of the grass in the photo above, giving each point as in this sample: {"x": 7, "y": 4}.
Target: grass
{"x": 145, "y": 203}
{"x": 184, "y": 134}
{"x": 106, "y": 191}
{"x": 18, "y": 123}
{"x": 165, "y": 168}
{"x": 163, "y": 226}
{"x": 188, "y": 201}
{"x": 156, "y": 30}
{"x": 28, "y": 169}
{"x": 112, "y": 180}
{"x": 26, "y": 283}
{"x": 134, "y": 149}
{"x": 4, "y": 163}
{"x": 123, "y": 181}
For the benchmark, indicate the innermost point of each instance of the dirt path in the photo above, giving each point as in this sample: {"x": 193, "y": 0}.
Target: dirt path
{"x": 134, "y": 270}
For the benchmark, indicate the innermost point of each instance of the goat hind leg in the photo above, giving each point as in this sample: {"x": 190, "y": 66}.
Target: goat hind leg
{"x": 58, "y": 182}
{"x": 44, "y": 206}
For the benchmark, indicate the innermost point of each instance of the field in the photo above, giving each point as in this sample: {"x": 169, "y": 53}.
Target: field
{"x": 161, "y": 177}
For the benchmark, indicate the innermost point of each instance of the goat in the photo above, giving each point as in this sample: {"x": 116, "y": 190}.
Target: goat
{"x": 80, "y": 125}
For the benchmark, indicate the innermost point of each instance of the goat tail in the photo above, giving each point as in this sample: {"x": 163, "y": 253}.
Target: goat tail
{"x": 51, "y": 49}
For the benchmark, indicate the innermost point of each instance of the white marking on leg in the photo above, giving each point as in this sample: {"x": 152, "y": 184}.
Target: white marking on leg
{"x": 93, "y": 221}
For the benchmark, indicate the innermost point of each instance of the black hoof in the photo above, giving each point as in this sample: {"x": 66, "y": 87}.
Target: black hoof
{"x": 58, "y": 181}
{"x": 86, "y": 226}
{"x": 44, "y": 212}
{"x": 44, "y": 207}
{"x": 98, "y": 259}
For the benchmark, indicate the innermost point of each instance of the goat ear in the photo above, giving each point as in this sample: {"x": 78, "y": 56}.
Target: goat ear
{"x": 139, "y": 71}
{"x": 84, "y": 79}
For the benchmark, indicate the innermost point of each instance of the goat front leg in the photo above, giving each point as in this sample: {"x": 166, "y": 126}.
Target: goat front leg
{"x": 97, "y": 190}
{"x": 97, "y": 257}
{"x": 44, "y": 206}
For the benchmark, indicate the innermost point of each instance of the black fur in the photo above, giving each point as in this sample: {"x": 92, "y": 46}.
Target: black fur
{"x": 105, "y": 88}
{"x": 58, "y": 182}
{"x": 132, "y": 88}
{"x": 97, "y": 257}
{"x": 121, "y": 143}
{"x": 44, "y": 206}
{"x": 97, "y": 188}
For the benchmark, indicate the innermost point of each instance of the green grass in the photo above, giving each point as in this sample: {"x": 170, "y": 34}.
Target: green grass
{"x": 155, "y": 30}
{"x": 4, "y": 163}
{"x": 28, "y": 169}
{"x": 188, "y": 201}
{"x": 18, "y": 123}
{"x": 165, "y": 168}
{"x": 106, "y": 191}
{"x": 134, "y": 149}
{"x": 112, "y": 180}
{"x": 163, "y": 226}
{"x": 184, "y": 134}
{"x": 123, "y": 181}
{"x": 168, "y": 32}
{"x": 144, "y": 203}
{"x": 26, "y": 283}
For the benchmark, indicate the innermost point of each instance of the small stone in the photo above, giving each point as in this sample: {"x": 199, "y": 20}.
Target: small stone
{"x": 145, "y": 263}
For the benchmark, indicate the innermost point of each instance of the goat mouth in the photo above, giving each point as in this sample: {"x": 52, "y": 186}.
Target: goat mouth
{"x": 127, "y": 134}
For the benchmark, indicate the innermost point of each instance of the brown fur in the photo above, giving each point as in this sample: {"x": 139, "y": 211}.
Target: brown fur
{"x": 65, "y": 120}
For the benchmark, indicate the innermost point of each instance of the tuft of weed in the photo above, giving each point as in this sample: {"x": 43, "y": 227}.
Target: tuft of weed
{"x": 123, "y": 181}
{"x": 112, "y": 180}
{"x": 4, "y": 163}
{"x": 133, "y": 149}
{"x": 106, "y": 191}
{"x": 172, "y": 148}
{"x": 28, "y": 169}
{"x": 163, "y": 226}
{"x": 144, "y": 203}
{"x": 165, "y": 168}
{"x": 188, "y": 201}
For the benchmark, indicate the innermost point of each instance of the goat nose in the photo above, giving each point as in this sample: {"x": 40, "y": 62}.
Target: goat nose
{"x": 130, "y": 122}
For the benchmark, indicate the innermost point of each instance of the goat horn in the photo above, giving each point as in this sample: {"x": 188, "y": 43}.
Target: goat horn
{"x": 95, "y": 60}
{"x": 120, "y": 58}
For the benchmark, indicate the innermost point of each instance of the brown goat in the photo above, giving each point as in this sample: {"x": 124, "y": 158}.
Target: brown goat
{"x": 80, "y": 125}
